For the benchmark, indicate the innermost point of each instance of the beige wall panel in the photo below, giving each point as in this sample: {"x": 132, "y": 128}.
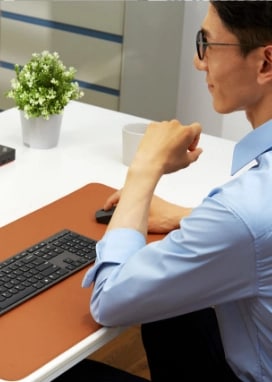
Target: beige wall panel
{"x": 150, "y": 69}
{"x": 97, "y": 61}
{"x": 6, "y": 76}
{"x": 31, "y": 8}
{"x": 100, "y": 99}
{"x": 101, "y": 15}
{"x": 19, "y": 40}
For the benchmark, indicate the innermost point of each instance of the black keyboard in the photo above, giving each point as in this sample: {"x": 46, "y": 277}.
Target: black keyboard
{"x": 44, "y": 264}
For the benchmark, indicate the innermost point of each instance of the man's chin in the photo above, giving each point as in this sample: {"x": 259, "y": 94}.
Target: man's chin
{"x": 222, "y": 109}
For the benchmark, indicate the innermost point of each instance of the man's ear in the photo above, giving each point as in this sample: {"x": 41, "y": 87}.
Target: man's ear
{"x": 265, "y": 73}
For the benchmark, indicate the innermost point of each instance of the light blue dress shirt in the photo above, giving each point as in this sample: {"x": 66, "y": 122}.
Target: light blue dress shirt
{"x": 221, "y": 256}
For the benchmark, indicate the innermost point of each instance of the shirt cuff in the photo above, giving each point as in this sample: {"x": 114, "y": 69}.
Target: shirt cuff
{"x": 114, "y": 248}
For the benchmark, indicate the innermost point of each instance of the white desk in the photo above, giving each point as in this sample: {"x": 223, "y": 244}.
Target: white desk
{"x": 90, "y": 150}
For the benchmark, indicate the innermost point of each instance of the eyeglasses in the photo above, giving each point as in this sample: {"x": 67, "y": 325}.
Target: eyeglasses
{"x": 202, "y": 44}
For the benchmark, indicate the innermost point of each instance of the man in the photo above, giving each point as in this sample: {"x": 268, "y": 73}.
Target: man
{"x": 203, "y": 294}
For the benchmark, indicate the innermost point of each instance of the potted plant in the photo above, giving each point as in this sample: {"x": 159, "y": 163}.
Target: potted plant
{"x": 41, "y": 90}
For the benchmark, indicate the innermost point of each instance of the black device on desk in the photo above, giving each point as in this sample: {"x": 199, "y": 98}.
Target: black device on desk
{"x": 7, "y": 154}
{"x": 104, "y": 216}
{"x": 42, "y": 265}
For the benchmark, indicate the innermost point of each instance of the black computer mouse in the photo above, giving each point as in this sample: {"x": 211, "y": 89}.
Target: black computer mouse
{"x": 103, "y": 216}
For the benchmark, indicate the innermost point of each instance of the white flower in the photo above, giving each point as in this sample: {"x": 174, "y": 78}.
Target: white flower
{"x": 43, "y": 86}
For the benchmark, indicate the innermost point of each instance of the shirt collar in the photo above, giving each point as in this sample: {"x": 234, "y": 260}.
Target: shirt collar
{"x": 251, "y": 146}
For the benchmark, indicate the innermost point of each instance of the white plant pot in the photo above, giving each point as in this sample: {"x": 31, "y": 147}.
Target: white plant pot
{"x": 40, "y": 133}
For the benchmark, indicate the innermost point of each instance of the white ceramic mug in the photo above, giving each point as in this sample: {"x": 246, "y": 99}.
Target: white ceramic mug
{"x": 131, "y": 134}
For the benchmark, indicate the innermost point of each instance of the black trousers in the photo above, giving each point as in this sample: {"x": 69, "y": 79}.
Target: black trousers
{"x": 187, "y": 348}
{"x": 94, "y": 371}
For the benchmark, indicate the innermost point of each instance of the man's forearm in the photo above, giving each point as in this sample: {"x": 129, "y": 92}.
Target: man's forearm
{"x": 133, "y": 208}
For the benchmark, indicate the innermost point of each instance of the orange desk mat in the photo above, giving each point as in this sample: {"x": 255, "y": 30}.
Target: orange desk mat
{"x": 34, "y": 333}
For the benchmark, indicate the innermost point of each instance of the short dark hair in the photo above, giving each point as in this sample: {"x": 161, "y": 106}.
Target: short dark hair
{"x": 250, "y": 21}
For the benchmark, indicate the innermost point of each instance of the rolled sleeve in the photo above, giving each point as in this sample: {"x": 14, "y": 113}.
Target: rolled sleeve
{"x": 112, "y": 250}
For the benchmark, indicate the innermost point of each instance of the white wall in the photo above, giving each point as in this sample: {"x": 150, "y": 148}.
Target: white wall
{"x": 235, "y": 126}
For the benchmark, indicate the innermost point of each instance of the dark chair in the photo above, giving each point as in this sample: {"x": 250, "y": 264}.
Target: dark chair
{"x": 94, "y": 371}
